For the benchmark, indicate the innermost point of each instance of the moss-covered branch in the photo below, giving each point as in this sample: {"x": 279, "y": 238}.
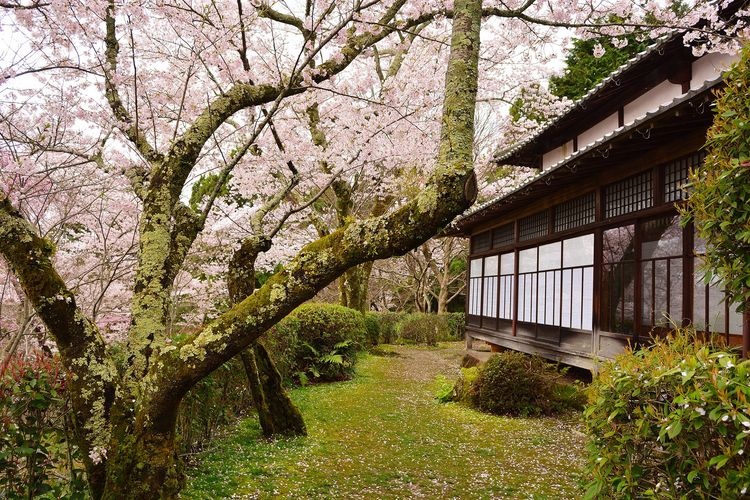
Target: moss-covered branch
{"x": 81, "y": 346}
{"x": 450, "y": 190}
{"x": 128, "y": 127}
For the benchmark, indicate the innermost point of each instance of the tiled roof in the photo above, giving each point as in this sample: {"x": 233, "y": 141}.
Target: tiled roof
{"x": 581, "y": 102}
{"x": 589, "y": 147}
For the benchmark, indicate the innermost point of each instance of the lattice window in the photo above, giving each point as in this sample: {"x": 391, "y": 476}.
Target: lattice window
{"x": 676, "y": 176}
{"x": 534, "y": 226}
{"x": 502, "y": 236}
{"x": 629, "y": 195}
{"x": 575, "y": 213}
{"x": 480, "y": 242}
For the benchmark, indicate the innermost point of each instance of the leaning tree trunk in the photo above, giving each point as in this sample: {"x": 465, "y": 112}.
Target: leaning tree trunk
{"x": 277, "y": 413}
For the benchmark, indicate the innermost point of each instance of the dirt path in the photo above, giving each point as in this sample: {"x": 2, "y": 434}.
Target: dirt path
{"x": 424, "y": 364}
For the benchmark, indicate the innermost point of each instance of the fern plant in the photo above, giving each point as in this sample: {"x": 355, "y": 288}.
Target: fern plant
{"x": 336, "y": 364}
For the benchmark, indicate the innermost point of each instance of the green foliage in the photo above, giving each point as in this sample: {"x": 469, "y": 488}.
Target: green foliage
{"x": 336, "y": 364}
{"x": 444, "y": 389}
{"x": 456, "y": 325}
{"x": 388, "y": 326}
{"x": 214, "y": 401}
{"x": 583, "y": 71}
{"x": 414, "y": 328}
{"x": 462, "y": 388}
{"x": 719, "y": 201}
{"x": 204, "y": 187}
{"x": 513, "y": 383}
{"x": 317, "y": 342}
{"x": 37, "y": 456}
{"x": 419, "y": 328}
{"x": 372, "y": 325}
{"x": 670, "y": 421}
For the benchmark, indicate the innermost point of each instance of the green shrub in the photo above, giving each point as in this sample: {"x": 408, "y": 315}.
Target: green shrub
{"x": 425, "y": 328}
{"x": 719, "y": 201}
{"x": 513, "y": 383}
{"x": 418, "y": 328}
{"x": 317, "y": 342}
{"x": 670, "y": 421}
{"x": 462, "y": 388}
{"x": 456, "y": 325}
{"x": 372, "y": 325}
{"x": 37, "y": 455}
{"x": 388, "y": 326}
{"x": 443, "y": 389}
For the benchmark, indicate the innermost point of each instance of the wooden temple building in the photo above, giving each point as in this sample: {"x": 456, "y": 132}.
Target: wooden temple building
{"x": 590, "y": 254}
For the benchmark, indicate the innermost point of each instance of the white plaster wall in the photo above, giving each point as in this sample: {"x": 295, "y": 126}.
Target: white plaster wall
{"x": 709, "y": 67}
{"x": 552, "y": 157}
{"x": 663, "y": 93}
{"x": 597, "y": 131}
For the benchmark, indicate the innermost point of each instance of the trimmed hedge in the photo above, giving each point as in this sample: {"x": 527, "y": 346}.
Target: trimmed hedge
{"x": 317, "y": 342}
{"x": 417, "y": 328}
{"x": 670, "y": 421}
{"x": 372, "y": 325}
{"x": 421, "y": 328}
{"x": 388, "y": 326}
{"x": 513, "y": 383}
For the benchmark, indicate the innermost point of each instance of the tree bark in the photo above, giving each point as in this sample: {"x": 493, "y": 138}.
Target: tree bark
{"x": 277, "y": 413}
{"x": 126, "y": 419}
{"x": 354, "y": 287}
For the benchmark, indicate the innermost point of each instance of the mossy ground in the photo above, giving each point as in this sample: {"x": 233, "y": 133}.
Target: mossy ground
{"x": 383, "y": 435}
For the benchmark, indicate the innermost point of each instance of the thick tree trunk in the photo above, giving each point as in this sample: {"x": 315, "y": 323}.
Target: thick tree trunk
{"x": 131, "y": 422}
{"x": 277, "y": 413}
{"x": 142, "y": 462}
{"x": 442, "y": 305}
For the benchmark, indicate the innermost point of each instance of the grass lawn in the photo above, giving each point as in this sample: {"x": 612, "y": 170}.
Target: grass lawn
{"x": 383, "y": 435}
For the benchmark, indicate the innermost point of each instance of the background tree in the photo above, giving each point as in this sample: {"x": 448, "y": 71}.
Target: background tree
{"x": 589, "y": 61}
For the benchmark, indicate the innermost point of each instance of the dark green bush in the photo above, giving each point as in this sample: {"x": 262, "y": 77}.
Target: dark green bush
{"x": 372, "y": 325}
{"x": 419, "y": 328}
{"x": 388, "y": 326}
{"x": 456, "y": 325}
{"x": 462, "y": 389}
{"x": 317, "y": 342}
{"x": 670, "y": 421}
{"x": 425, "y": 328}
{"x": 513, "y": 383}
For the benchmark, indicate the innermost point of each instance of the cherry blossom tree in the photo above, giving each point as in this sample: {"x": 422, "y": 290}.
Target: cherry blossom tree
{"x": 119, "y": 111}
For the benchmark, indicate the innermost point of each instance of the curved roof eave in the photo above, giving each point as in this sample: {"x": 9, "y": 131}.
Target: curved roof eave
{"x": 475, "y": 212}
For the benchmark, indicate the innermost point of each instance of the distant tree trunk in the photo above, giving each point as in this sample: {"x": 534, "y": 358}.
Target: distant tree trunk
{"x": 354, "y": 284}
{"x": 354, "y": 287}
{"x": 442, "y": 305}
{"x": 277, "y": 413}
